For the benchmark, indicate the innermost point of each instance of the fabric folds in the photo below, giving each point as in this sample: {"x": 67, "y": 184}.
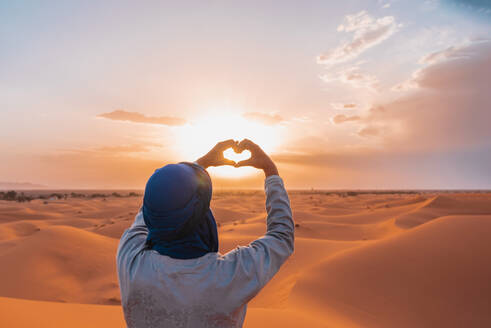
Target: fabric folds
{"x": 177, "y": 214}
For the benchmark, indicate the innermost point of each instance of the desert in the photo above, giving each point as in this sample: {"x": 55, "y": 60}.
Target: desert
{"x": 122, "y": 123}
{"x": 362, "y": 258}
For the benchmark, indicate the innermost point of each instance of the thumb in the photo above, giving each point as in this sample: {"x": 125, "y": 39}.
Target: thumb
{"x": 247, "y": 162}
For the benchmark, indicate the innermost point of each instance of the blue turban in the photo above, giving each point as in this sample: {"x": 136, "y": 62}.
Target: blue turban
{"x": 176, "y": 210}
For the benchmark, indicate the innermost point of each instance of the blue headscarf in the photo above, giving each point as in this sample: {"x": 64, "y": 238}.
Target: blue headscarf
{"x": 176, "y": 210}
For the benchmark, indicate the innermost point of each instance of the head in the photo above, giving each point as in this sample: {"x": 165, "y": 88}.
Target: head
{"x": 176, "y": 210}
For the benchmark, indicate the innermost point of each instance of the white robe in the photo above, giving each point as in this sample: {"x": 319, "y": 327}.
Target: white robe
{"x": 210, "y": 291}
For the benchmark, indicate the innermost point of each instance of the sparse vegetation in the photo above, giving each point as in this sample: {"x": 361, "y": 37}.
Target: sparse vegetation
{"x": 98, "y": 195}
{"x": 10, "y": 195}
{"x": 23, "y": 198}
{"x": 27, "y": 196}
{"x": 56, "y": 195}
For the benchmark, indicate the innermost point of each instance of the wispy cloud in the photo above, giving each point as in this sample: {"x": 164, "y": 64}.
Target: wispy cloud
{"x": 341, "y": 118}
{"x": 435, "y": 60}
{"x": 353, "y": 76}
{"x": 263, "y": 118}
{"x": 367, "y": 32}
{"x": 341, "y": 106}
{"x": 135, "y": 117}
{"x": 384, "y": 4}
{"x": 452, "y": 52}
{"x": 447, "y": 110}
{"x": 369, "y": 131}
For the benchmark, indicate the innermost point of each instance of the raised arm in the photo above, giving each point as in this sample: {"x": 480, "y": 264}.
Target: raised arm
{"x": 131, "y": 243}
{"x": 254, "y": 265}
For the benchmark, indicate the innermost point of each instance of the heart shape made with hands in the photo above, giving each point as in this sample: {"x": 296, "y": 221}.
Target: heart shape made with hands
{"x": 235, "y": 156}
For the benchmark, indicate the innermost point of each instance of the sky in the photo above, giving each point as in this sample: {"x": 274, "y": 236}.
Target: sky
{"x": 385, "y": 94}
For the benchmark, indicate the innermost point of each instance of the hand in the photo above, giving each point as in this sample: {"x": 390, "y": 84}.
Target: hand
{"x": 215, "y": 156}
{"x": 258, "y": 158}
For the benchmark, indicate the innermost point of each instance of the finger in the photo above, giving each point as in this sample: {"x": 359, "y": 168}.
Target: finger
{"x": 247, "y": 162}
{"x": 246, "y": 144}
{"x": 236, "y": 148}
{"x": 226, "y": 144}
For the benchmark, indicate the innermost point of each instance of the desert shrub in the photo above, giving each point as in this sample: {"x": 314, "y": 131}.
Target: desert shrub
{"x": 23, "y": 198}
{"x": 98, "y": 195}
{"x": 57, "y": 195}
{"x": 10, "y": 195}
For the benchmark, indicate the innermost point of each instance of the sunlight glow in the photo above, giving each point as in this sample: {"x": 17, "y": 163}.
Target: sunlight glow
{"x": 197, "y": 138}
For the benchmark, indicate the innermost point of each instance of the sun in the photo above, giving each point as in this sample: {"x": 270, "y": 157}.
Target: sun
{"x": 200, "y": 135}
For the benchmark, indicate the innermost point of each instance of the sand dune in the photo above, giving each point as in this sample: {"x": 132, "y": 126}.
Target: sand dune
{"x": 361, "y": 260}
{"x": 436, "y": 275}
{"x": 441, "y": 205}
{"x": 27, "y": 314}
{"x": 60, "y": 263}
{"x": 49, "y": 314}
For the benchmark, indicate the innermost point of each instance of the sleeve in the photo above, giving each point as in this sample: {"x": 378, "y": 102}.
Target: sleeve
{"x": 252, "y": 266}
{"x": 132, "y": 242}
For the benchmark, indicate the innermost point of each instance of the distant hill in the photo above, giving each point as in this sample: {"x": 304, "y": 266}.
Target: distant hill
{"x": 20, "y": 185}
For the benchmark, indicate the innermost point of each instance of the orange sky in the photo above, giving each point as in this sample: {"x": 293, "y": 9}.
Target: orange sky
{"x": 359, "y": 95}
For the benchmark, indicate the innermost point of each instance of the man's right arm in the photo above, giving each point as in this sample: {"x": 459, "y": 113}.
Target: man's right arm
{"x": 131, "y": 243}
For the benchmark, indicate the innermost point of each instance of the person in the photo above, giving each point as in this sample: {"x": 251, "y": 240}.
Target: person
{"x": 169, "y": 268}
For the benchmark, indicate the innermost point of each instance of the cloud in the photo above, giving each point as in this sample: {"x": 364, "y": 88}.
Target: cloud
{"x": 122, "y": 115}
{"x": 440, "y": 55}
{"x": 349, "y": 106}
{"x": 367, "y": 32}
{"x": 341, "y": 106}
{"x": 465, "y": 70}
{"x": 449, "y": 109}
{"x": 354, "y": 77}
{"x": 341, "y": 118}
{"x": 425, "y": 77}
{"x": 389, "y": 169}
{"x": 263, "y": 118}
{"x": 369, "y": 131}
{"x": 384, "y": 4}
{"x": 405, "y": 85}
